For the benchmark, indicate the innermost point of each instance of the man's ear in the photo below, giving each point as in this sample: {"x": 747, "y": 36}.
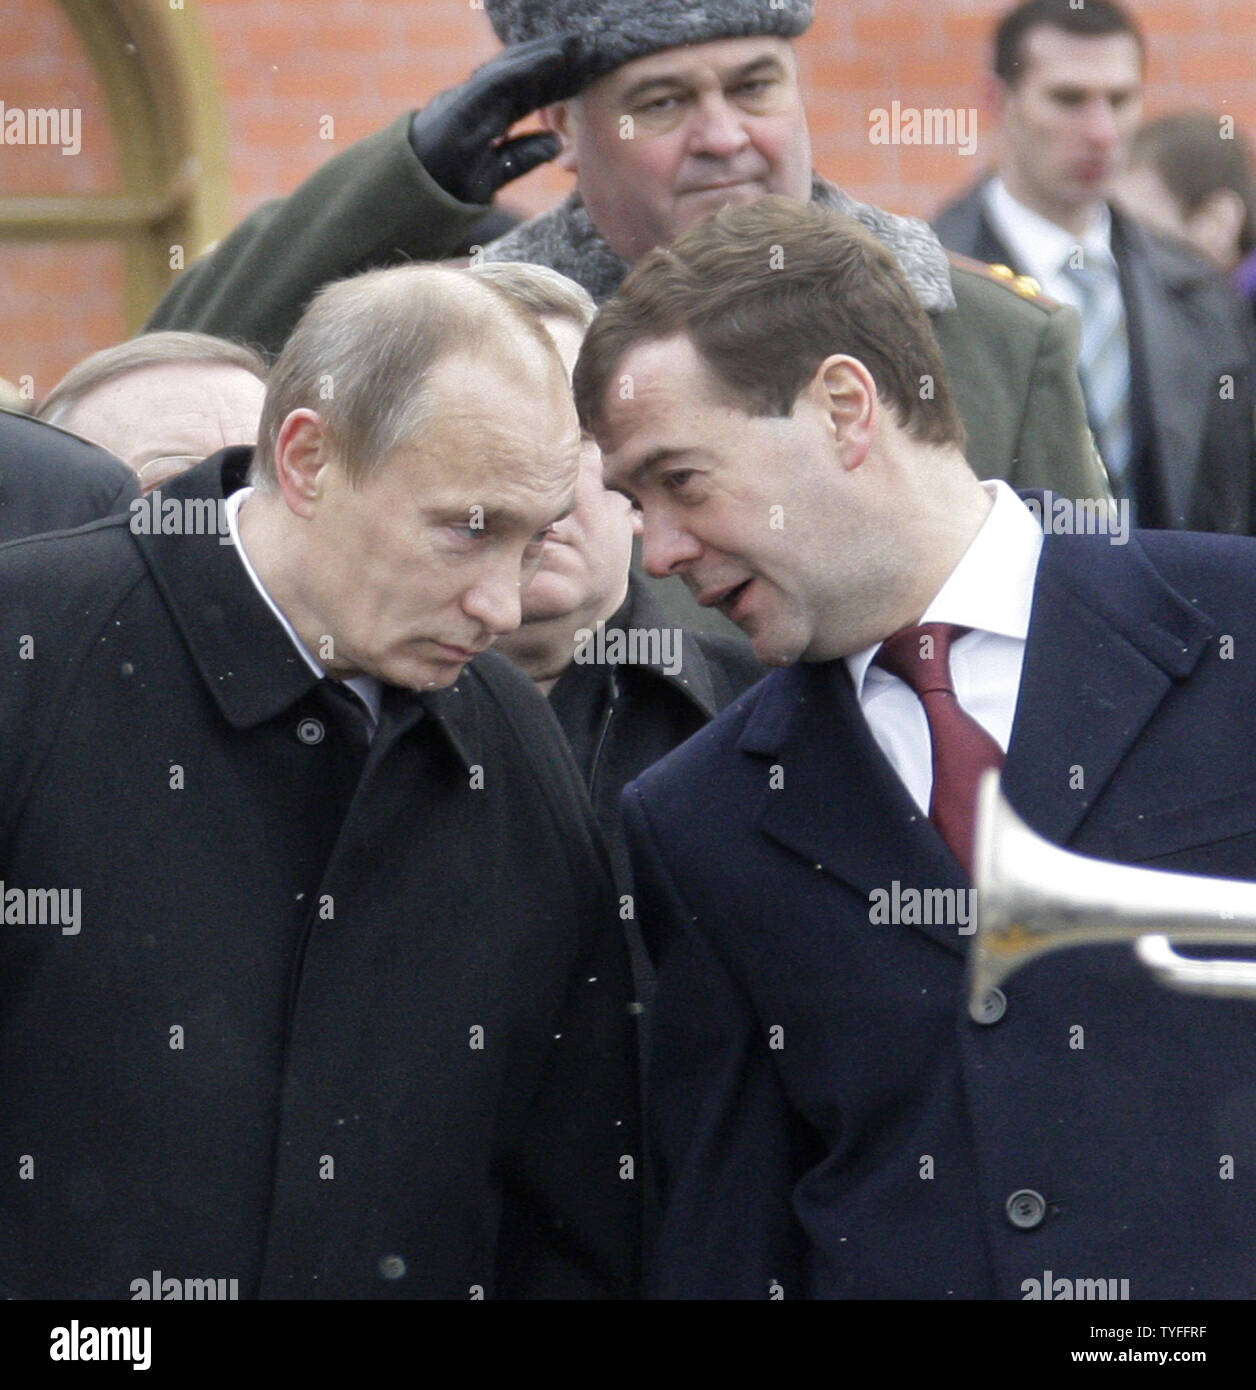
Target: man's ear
{"x": 558, "y": 120}
{"x": 995, "y": 93}
{"x": 844, "y": 389}
{"x": 301, "y": 458}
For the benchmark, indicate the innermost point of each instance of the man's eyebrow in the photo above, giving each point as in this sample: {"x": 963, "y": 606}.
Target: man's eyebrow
{"x": 653, "y": 459}
{"x": 676, "y": 81}
{"x": 671, "y": 82}
{"x": 755, "y": 66}
{"x": 504, "y": 518}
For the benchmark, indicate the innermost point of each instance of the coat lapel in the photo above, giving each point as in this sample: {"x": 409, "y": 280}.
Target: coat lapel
{"x": 840, "y": 806}
{"x": 1107, "y": 638}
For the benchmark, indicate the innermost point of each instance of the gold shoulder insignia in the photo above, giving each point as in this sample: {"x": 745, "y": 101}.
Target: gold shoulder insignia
{"x": 1024, "y": 285}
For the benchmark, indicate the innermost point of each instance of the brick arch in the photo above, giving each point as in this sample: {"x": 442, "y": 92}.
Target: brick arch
{"x": 157, "y": 68}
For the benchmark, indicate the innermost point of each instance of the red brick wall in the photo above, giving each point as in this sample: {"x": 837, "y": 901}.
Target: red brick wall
{"x": 284, "y": 65}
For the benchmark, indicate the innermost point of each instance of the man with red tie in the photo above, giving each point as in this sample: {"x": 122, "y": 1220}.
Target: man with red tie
{"x": 827, "y": 1118}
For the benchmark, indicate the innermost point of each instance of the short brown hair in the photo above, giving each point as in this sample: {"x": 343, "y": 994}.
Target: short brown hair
{"x": 1095, "y": 19}
{"x": 765, "y": 293}
{"x": 1194, "y": 161}
{"x": 148, "y": 350}
{"x": 365, "y": 347}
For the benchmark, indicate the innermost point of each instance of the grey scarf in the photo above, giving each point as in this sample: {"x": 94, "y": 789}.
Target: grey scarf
{"x": 566, "y": 240}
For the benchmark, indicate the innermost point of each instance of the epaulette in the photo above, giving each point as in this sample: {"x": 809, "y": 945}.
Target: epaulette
{"x": 1024, "y": 285}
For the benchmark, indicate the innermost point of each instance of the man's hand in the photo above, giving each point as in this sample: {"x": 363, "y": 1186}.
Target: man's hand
{"x": 456, "y": 135}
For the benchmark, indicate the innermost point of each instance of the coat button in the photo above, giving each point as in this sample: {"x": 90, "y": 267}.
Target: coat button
{"x": 1026, "y": 1209}
{"x": 992, "y": 1007}
{"x": 310, "y": 731}
{"x": 392, "y": 1267}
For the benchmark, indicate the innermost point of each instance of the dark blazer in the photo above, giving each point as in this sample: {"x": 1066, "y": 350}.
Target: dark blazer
{"x": 51, "y": 480}
{"x": 825, "y": 1116}
{"x": 261, "y": 1056}
{"x": 1193, "y": 452}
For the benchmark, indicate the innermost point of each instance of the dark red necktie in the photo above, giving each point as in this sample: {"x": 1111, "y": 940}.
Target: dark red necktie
{"x": 962, "y": 750}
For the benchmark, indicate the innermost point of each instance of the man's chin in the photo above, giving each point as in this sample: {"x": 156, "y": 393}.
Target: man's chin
{"x": 774, "y": 646}
{"x": 420, "y": 673}
{"x": 692, "y": 208}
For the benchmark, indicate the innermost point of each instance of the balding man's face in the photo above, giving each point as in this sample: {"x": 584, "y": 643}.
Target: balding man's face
{"x": 410, "y": 574}
{"x": 666, "y": 140}
{"x": 162, "y": 419}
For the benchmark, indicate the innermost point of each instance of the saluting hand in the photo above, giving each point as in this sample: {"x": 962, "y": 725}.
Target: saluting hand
{"x": 458, "y": 135}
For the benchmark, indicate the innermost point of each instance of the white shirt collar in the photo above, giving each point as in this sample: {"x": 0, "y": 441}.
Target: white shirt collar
{"x": 367, "y": 688}
{"x": 992, "y": 587}
{"x": 1039, "y": 245}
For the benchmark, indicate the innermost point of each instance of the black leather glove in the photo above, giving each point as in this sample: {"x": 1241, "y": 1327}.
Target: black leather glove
{"x": 456, "y": 134}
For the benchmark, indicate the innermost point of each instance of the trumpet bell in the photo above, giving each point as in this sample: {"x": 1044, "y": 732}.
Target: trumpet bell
{"x": 1033, "y": 897}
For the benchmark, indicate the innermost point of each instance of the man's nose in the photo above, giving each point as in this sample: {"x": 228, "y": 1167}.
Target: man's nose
{"x": 1102, "y": 126}
{"x": 665, "y": 547}
{"x": 718, "y": 129}
{"x": 494, "y": 599}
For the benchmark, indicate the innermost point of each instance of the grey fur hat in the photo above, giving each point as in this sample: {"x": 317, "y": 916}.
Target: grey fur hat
{"x": 618, "y": 31}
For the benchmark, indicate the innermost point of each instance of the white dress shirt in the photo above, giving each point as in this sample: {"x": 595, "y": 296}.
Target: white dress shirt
{"x": 367, "y": 688}
{"x": 991, "y": 591}
{"x": 1043, "y": 249}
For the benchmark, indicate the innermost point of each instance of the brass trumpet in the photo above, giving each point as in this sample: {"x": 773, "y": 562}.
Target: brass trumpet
{"x": 1033, "y": 897}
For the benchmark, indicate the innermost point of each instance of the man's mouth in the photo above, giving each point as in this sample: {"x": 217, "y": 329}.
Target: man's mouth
{"x": 458, "y": 653}
{"x": 723, "y": 187}
{"x": 725, "y": 599}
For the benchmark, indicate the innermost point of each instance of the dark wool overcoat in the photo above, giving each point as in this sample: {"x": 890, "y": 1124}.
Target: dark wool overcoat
{"x": 333, "y": 1021}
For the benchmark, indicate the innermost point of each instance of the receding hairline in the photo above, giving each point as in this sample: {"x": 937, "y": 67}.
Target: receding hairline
{"x": 147, "y": 350}
{"x": 387, "y": 333}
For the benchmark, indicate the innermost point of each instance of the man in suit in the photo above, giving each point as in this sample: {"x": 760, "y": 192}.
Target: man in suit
{"x": 664, "y": 113}
{"x": 827, "y": 1118}
{"x": 1166, "y": 347}
{"x": 313, "y": 974}
{"x": 51, "y": 480}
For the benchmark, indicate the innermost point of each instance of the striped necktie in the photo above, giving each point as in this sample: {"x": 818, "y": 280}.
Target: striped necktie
{"x": 1105, "y": 361}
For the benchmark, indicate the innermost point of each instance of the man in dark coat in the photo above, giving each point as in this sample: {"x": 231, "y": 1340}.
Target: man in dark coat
{"x": 51, "y": 480}
{"x": 329, "y": 994}
{"x": 1167, "y": 346}
{"x": 828, "y": 1118}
